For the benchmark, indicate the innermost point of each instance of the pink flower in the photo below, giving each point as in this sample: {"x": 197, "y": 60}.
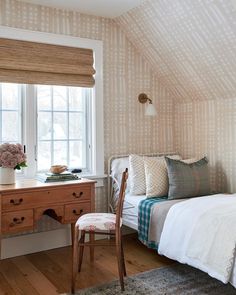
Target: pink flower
{"x": 12, "y": 156}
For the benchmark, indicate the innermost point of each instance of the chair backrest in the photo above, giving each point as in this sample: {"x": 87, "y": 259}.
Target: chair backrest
{"x": 121, "y": 197}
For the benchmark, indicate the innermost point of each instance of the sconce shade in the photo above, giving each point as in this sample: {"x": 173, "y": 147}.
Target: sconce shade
{"x": 150, "y": 110}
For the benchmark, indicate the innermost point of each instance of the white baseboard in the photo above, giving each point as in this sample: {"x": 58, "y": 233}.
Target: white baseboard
{"x": 42, "y": 241}
{"x": 31, "y": 243}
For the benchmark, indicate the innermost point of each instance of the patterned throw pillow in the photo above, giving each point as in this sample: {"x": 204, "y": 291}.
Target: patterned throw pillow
{"x": 187, "y": 180}
{"x": 157, "y": 184}
{"x": 137, "y": 177}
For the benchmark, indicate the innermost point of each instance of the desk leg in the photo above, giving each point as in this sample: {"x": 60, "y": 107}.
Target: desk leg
{"x": 91, "y": 240}
{"x": 0, "y": 246}
{"x": 72, "y": 228}
{"x": 0, "y": 227}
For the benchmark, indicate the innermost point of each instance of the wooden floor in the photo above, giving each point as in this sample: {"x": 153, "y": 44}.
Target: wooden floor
{"x": 49, "y": 272}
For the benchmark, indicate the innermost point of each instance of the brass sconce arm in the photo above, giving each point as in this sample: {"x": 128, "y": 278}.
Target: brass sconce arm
{"x": 143, "y": 98}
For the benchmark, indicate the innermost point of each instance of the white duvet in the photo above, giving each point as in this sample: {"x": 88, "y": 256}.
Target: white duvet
{"x": 201, "y": 232}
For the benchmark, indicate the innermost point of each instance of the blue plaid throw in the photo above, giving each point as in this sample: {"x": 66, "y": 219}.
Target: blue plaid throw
{"x": 144, "y": 215}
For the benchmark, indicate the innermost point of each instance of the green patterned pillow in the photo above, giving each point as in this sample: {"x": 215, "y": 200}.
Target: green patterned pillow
{"x": 187, "y": 180}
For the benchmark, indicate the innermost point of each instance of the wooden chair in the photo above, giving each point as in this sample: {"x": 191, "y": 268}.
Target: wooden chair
{"x": 100, "y": 223}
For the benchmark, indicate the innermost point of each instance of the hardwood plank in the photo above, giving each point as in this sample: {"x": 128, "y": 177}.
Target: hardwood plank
{"x": 94, "y": 273}
{"x": 34, "y": 276}
{"x": 5, "y": 287}
{"x": 142, "y": 258}
{"x": 51, "y": 270}
{"x": 16, "y": 279}
{"x": 58, "y": 260}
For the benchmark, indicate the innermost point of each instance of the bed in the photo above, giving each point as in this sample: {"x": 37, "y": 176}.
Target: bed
{"x": 116, "y": 165}
{"x": 161, "y": 226}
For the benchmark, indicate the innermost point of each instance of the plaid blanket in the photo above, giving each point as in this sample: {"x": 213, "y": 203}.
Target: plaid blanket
{"x": 144, "y": 215}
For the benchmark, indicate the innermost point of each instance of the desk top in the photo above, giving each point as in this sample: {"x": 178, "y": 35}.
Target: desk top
{"x": 33, "y": 183}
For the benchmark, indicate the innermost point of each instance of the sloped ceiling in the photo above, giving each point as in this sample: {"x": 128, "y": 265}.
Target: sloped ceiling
{"x": 191, "y": 44}
{"x": 104, "y": 8}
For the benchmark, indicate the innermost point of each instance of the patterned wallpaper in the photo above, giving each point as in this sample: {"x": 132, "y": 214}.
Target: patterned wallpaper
{"x": 208, "y": 128}
{"x": 126, "y": 74}
{"x": 185, "y": 46}
{"x": 189, "y": 43}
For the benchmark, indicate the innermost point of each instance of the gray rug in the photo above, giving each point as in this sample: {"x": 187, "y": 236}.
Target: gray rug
{"x": 172, "y": 280}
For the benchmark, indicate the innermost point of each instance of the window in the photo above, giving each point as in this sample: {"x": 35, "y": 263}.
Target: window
{"x": 10, "y": 113}
{"x": 63, "y": 126}
{"x": 60, "y": 117}
{"x": 25, "y": 130}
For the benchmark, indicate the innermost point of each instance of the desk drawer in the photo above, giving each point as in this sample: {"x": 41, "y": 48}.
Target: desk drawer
{"x": 29, "y": 200}
{"x": 17, "y": 221}
{"x": 81, "y": 193}
{"x": 74, "y": 211}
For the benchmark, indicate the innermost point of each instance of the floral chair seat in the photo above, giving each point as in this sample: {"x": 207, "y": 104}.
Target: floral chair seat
{"x": 97, "y": 221}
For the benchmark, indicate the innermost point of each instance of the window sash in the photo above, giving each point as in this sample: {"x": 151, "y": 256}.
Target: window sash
{"x": 86, "y": 94}
{"x": 17, "y": 110}
{"x": 28, "y": 114}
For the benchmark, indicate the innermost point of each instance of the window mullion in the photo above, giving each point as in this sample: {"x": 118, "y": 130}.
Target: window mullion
{"x": 88, "y": 128}
{"x": 30, "y": 129}
{"x": 1, "y": 113}
{"x": 20, "y": 114}
{"x": 52, "y": 127}
{"x": 68, "y": 134}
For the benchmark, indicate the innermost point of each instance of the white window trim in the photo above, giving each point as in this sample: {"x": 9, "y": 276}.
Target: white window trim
{"x": 97, "y": 100}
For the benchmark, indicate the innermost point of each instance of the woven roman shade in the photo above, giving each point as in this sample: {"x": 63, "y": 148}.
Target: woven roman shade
{"x": 40, "y": 63}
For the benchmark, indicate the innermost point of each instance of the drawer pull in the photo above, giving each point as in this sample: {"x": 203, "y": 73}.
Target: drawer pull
{"x": 77, "y": 195}
{"x": 17, "y": 221}
{"x": 16, "y": 202}
{"x": 76, "y": 213}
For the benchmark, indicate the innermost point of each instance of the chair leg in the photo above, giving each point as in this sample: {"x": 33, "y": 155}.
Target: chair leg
{"x": 119, "y": 260}
{"x": 123, "y": 259}
{"x": 91, "y": 239}
{"x": 72, "y": 228}
{"x": 74, "y": 260}
{"x": 81, "y": 250}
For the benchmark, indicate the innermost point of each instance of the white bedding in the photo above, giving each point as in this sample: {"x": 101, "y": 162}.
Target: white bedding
{"x": 176, "y": 234}
{"x": 201, "y": 232}
{"x": 130, "y": 211}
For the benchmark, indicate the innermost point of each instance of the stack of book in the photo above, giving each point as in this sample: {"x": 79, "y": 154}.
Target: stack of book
{"x": 51, "y": 177}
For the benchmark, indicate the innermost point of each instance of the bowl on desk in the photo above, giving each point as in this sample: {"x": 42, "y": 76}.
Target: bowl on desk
{"x": 57, "y": 169}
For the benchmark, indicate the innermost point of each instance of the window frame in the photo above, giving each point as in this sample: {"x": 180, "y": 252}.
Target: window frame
{"x": 86, "y": 116}
{"x": 12, "y": 110}
{"x": 97, "y": 134}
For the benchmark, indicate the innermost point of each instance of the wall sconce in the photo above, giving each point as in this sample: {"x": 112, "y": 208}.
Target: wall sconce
{"x": 150, "y": 109}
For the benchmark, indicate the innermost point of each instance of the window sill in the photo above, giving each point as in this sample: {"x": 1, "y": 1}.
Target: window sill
{"x": 92, "y": 176}
{"x": 99, "y": 178}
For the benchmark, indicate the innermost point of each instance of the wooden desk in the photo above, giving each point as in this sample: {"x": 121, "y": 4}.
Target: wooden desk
{"x": 23, "y": 204}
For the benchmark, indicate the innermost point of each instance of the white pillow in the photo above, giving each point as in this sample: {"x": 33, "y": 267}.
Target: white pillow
{"x": 137, "y": 177}
{"x": 157, "y": 184}
{"x": 117, "y": 168}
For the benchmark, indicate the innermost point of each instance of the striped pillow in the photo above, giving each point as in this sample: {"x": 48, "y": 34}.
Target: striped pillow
{"x": 156, "y": 176}
{"x": 137, "y": 175}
